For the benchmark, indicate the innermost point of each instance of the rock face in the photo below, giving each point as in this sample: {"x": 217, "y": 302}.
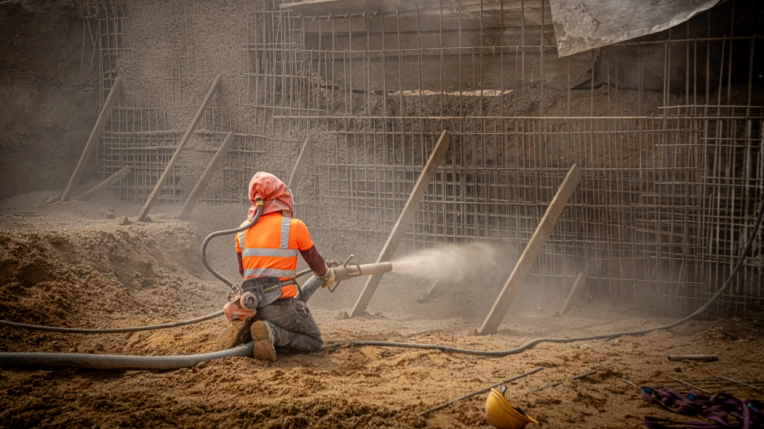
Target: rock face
{"x": 48, "y": 93}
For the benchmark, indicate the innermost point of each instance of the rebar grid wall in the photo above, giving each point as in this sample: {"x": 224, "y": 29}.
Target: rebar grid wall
{"x": 672, "y": 169}
{"x": 135, "y": 135}
{"x": 106, "y": 28}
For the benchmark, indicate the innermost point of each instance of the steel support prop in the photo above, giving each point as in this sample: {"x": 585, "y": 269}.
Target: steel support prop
{"x": 108, "y": 106}
{"x": 406, "y": 216}
{"x": 530, "y": 254}
{"x": 201, "y": 185}
{"x": 163, "y": 178}
{"x": 299, "y": 167}
{"x": 114, "y": 178}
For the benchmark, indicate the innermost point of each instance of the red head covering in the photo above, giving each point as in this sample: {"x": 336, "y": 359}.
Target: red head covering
{"x": 274, "y": 193}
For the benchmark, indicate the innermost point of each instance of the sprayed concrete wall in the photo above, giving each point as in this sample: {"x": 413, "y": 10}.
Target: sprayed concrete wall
{"x": 663, "y": 206}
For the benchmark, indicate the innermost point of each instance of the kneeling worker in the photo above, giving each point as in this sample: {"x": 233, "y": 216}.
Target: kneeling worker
{"x": 268, "y": 251}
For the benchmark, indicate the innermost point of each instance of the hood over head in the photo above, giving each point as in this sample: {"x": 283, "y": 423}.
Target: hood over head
{"x": 275, "y": 194}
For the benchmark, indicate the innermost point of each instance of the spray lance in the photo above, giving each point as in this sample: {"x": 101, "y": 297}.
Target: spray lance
{"x": 351, "y": 269}
{"x": 245, "y": 299}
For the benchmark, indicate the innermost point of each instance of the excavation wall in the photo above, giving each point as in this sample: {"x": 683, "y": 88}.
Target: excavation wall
{"x": 48, "y": 94}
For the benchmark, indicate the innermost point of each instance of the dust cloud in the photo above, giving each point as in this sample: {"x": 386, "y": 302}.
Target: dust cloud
{"x": 457, "y": 263}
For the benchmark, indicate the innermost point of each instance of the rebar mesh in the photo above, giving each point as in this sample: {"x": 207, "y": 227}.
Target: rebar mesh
{"x": 666, "y": 129}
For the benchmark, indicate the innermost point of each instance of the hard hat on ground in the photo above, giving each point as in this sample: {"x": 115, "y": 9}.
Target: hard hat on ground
{"x": 502, "y": 414}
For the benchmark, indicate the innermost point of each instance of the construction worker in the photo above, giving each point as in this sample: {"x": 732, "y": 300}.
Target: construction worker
{"x": 266, "y": 251}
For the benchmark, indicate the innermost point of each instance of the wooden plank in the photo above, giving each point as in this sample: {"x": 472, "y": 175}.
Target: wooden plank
{"x": 108, "y": 107}
{"x": 325, "y": 7}
{"x": 530, "y": 12}
{"x": 163, "y": 178}
{"x": 406, "y": 216}
{"x": 577, "y": 285}
{"x": 114, "y": 178}
{"x": 530, "y": 254}
{"x": 299, "y": 167}
{"x": 201, "y": 185}
{"x": 431, "y": 21}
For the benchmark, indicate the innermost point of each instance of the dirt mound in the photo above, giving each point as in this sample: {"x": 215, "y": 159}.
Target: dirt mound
{"x": 99, "y": 276}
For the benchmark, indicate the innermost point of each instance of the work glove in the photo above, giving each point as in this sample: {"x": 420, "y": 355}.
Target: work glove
{"x": 328, "y": 278}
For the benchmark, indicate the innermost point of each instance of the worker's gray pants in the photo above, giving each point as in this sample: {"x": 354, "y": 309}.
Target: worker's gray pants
{"x": 293, "y": 325}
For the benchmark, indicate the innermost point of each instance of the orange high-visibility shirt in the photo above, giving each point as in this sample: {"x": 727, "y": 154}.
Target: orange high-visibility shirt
{"x": 271, "y": 246}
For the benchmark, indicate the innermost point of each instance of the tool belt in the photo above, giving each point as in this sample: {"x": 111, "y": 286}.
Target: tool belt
{"x": 266, "y": 289}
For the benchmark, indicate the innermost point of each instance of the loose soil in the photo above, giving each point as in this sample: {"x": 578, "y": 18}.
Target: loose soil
{"x": 70, "y": 264}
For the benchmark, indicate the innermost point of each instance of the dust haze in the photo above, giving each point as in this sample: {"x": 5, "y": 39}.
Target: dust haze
{"x": 457, "y": 263}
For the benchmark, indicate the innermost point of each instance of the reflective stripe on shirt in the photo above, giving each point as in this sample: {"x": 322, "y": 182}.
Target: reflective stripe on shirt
{"x": 277, "y": 253}
{"x": 269, "y": 272}
{"x": 284, "y": 241}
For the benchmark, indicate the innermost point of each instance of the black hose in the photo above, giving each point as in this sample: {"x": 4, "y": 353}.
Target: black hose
{"x": 109, "y": 330}
{"x": 302, "y": 273}
{"x": 227, "y": 232}
{"x": 117, "y": 362}
{"x": 531, "y": 343}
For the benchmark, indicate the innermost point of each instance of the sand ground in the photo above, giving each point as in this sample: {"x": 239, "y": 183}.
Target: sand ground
{"x": 70, "y": 264}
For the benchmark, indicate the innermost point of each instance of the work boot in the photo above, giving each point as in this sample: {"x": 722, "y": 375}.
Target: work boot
{"x": 236, "y": 333}
{"x": 262, "y": 335}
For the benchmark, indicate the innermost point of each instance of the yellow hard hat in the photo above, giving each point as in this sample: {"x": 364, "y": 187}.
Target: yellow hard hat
{"x": 502, "y": 414}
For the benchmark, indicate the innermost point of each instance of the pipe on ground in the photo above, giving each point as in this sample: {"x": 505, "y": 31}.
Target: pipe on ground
{"x": 117, "y": 362}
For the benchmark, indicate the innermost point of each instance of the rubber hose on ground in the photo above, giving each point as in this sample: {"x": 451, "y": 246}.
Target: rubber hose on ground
{"x": 109, "y": 330}
{"x": 117, "y": 362}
